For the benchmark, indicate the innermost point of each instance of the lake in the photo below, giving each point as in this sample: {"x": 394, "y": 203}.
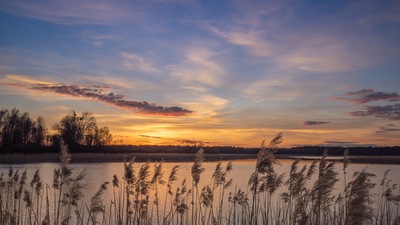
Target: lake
{"x": 98, "y": 173}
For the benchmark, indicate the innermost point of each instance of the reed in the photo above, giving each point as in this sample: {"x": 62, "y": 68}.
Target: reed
{"x": 303, "y": 195}
{"x": 197, "y": 170}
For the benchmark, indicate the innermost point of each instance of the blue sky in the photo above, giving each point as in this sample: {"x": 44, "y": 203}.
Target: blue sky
{"x": 211, "y": 72}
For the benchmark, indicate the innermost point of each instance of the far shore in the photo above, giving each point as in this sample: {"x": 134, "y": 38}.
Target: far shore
{"x": 19, "y": 158}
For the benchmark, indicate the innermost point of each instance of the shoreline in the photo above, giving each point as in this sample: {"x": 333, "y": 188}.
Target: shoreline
{"x": 20, "y": 158}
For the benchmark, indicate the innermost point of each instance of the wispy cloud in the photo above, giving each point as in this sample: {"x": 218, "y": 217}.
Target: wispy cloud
{"x": 314, "y": 123}
{"x": 390, "y": 112}
{"x": 274, "y": 86}
{"x": 369, "y": 95}
{"x": 296, "y": 50}
{"x": 137, "y": 63}
{"x": 199, "y": 67}
{"x": 73, "y": 12}
{"x": 318, "y": 42}
{"x": 23, "y": 80}
{"x": 388, "y": 128}
{"x": 206, "y": 105}
{"x": 254, "y": 41}
{"x": 258, "y": 9}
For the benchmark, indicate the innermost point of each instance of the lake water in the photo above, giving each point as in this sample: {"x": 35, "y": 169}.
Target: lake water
{"x": 98, "y": 173}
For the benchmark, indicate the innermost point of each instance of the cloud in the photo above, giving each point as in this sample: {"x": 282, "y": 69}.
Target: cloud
{"x": 295, "y": 49}
{"x": 137, "y": 63}
{"x": 97, "y": 93}
{"x": 23, "y": 79}
{"x": 113, "y": 99}
{"x": 205, "y": 105}
{"x": 388, "y": 128}
{"x": 149, "y": 136}
{"x": 313, "y": 123}
{"x": 390, "y": 112}
{"x": 74, "y": 11}
{"x": 275, "y": 86}
{"x": 253, "y": 41}
{"x": 369, "y": 95}
{"x": 302, "y": 37}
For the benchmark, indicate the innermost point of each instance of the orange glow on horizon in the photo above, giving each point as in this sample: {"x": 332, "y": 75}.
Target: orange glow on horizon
{"x": 252, "y": 138}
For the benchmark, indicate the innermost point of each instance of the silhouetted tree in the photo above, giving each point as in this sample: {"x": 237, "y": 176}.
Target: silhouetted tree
{"x": 81, "y": 130}
{"x": 40, "y": 131}
{"x": 24, "y": 129}
{"x": 104, "y": 136}
{"x": 98, "y": 137}
{"x": 74, "y": 129}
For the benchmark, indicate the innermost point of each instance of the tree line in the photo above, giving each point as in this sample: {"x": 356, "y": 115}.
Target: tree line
{"x": 18, "y": 129}
{"x": 209, "y": 150}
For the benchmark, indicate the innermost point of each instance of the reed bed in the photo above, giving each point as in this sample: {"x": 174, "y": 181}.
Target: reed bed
{"x": 147, "y": 194}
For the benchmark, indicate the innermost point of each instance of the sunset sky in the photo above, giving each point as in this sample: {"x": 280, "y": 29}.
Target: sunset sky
{"x": 208, "y": 72}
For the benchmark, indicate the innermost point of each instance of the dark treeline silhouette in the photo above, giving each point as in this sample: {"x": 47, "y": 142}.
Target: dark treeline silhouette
{"x": 304, "y": 150}
{"x": 18, "y": 129}
{"x": 19, "y": 132}
{"x": 192, "y": 149}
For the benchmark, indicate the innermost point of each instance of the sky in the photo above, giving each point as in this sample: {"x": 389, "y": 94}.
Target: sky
{"x": 233, "y": 73}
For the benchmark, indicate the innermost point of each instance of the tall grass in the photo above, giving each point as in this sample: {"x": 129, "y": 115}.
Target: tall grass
{"x": 143, "y": 195}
